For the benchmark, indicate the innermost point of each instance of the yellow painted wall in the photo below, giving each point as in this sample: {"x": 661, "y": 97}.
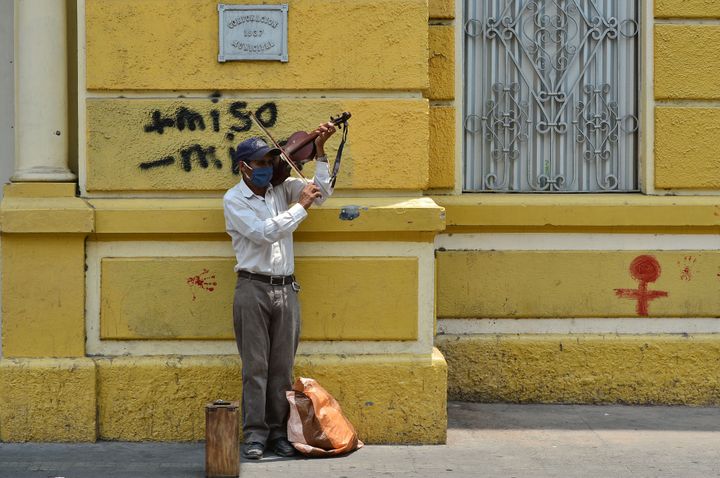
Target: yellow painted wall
{"x": 376, "y": 59}
{"x": 43, "y": 290}
{"x": 687, "y": 147}
{"x": 574, "y": 284}
{"x": 441, "y": 40}
{"x": 372, "y": 299}
{"x": 166, "y": 298}
{"x": 128, "y": 151}
{"x": 641, "y": 369}
{"x": 686, "y": 66}
{"x": 419, "y": 216}
{"x": 162, "y": 398}
{"x": 50, "y": 399}
{"x": 191, "y": 298}
{"x": 441, "y": 8}
{"x": 687, "y": 9}
{"x": 442, "y": 147}
{"x": 344, "y": 44}
{"x": 44, "y": 208}
{"x": 635, "y": 213}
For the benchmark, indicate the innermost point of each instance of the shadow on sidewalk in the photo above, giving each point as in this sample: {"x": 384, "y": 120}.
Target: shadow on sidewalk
{"x": 503, "y": 416}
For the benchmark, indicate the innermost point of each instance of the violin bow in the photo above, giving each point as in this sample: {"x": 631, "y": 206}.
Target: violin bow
{"x": 282, "y": 151}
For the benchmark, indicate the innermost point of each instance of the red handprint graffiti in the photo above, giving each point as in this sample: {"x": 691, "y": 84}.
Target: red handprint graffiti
{"x": 686, "y": 273}
{"x": 204, "y": 281}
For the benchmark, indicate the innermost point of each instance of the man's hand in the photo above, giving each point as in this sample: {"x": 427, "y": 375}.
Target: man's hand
{"x": 309, "y": 194}
{"x": 324, "y": 131}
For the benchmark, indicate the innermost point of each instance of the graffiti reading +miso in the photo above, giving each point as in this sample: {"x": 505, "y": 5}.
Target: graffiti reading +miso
{"x": 196, "y": 156}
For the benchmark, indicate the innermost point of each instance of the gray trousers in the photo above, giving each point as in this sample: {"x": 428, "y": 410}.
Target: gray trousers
{"x": 267, "y": 331}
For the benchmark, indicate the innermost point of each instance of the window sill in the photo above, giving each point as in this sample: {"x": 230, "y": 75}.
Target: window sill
{"x": 597, "y": 212}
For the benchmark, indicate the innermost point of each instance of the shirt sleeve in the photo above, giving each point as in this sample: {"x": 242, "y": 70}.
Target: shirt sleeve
{"x": 294, "y": 186}
{"x": 242, "y": 218}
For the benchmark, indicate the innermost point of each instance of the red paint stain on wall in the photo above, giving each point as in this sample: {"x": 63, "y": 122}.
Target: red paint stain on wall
{"x": 203, "y": 281}
{"x": 686, "y": 273}
{"x": 644, "y": 269}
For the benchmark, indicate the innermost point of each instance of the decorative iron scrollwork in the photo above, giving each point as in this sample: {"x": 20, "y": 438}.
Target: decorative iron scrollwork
{"x": 555, "y": 107}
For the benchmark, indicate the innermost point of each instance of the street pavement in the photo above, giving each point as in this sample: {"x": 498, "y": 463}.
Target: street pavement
{"x": 484, "y": 440}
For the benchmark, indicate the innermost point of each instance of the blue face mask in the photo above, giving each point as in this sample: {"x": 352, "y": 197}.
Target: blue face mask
{"x": 261, "y": 176}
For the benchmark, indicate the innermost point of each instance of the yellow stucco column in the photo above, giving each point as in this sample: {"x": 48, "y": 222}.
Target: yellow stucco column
{"x": 41, "y": 101}
{"x": 43, "y": 270}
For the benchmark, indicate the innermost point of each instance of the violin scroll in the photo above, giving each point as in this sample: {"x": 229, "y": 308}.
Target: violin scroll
{"x": 300, "y": 148}
{"x": 341, "y": 120}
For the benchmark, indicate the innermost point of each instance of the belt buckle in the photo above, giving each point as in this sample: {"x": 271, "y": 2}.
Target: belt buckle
{"x": 280, "y": 281}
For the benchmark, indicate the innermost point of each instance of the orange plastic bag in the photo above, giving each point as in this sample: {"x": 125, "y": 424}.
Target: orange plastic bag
{"x": 317, "y": 426}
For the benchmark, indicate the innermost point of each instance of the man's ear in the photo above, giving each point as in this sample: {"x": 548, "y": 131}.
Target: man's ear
{"x": 244, "y": 169}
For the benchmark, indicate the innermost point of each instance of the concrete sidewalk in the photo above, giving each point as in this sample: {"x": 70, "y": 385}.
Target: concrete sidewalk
{"x": 488, "y": 440}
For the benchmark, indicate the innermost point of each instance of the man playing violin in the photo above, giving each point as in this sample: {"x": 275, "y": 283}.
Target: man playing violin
{"x": 266, "y": 315}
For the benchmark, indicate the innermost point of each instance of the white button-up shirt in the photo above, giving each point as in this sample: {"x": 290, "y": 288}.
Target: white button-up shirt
{"x": 261, "y": 227}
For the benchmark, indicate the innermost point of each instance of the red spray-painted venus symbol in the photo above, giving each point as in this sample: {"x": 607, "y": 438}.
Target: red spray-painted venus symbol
{"x": 645, "y": 269}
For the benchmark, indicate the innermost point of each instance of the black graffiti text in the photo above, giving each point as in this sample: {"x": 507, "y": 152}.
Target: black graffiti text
{"x": 159, "y": 123}
{"x": 190, "y": 119}
{"x": 266, "y": 114}
{"x": 185, "y": 118}
{"x": 201, "y": 155}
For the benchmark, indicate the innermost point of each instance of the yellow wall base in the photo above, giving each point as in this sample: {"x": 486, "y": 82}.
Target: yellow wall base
{"x": 659, "y": 369}
{"x": 388, "y": 398}
{"x": 162, "y": 398}
{"x": 47, "y": 400}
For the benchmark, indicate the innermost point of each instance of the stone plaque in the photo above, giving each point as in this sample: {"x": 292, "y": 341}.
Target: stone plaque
{"x": 253, "y": 32}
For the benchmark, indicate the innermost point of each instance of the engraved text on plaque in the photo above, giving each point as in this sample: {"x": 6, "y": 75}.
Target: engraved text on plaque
{"x": 253, "y": 32}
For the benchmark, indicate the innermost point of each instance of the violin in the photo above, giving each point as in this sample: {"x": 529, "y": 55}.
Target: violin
{"x": 299, "y": 148}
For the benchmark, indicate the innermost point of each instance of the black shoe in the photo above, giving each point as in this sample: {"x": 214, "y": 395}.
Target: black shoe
{"x": 282, "y": 447}
{"x": 253, "y": 450}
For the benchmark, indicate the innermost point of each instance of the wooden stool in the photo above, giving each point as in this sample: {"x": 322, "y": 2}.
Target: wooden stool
{"x": 222, "y": 452}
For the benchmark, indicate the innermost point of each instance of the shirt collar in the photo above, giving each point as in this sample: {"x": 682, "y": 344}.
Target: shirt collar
{"x": 247, "y": 192}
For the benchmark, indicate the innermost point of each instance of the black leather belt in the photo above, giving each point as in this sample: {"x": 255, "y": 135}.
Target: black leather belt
{"x": 272, "y": 280}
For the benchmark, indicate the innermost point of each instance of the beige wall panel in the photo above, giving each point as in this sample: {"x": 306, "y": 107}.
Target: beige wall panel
{"x": 159, "y": 144}
{"x": 687, "y": 148}
{"x": 191, "y": 298}
{"x": 343, "y": 44}
{"x": 577, "y": 284}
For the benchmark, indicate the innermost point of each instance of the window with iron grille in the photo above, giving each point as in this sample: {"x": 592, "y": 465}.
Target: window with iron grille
{"x": 551, "y": 95}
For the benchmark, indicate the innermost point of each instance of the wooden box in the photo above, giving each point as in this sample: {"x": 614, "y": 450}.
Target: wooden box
{"x": 222, "y": 450}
